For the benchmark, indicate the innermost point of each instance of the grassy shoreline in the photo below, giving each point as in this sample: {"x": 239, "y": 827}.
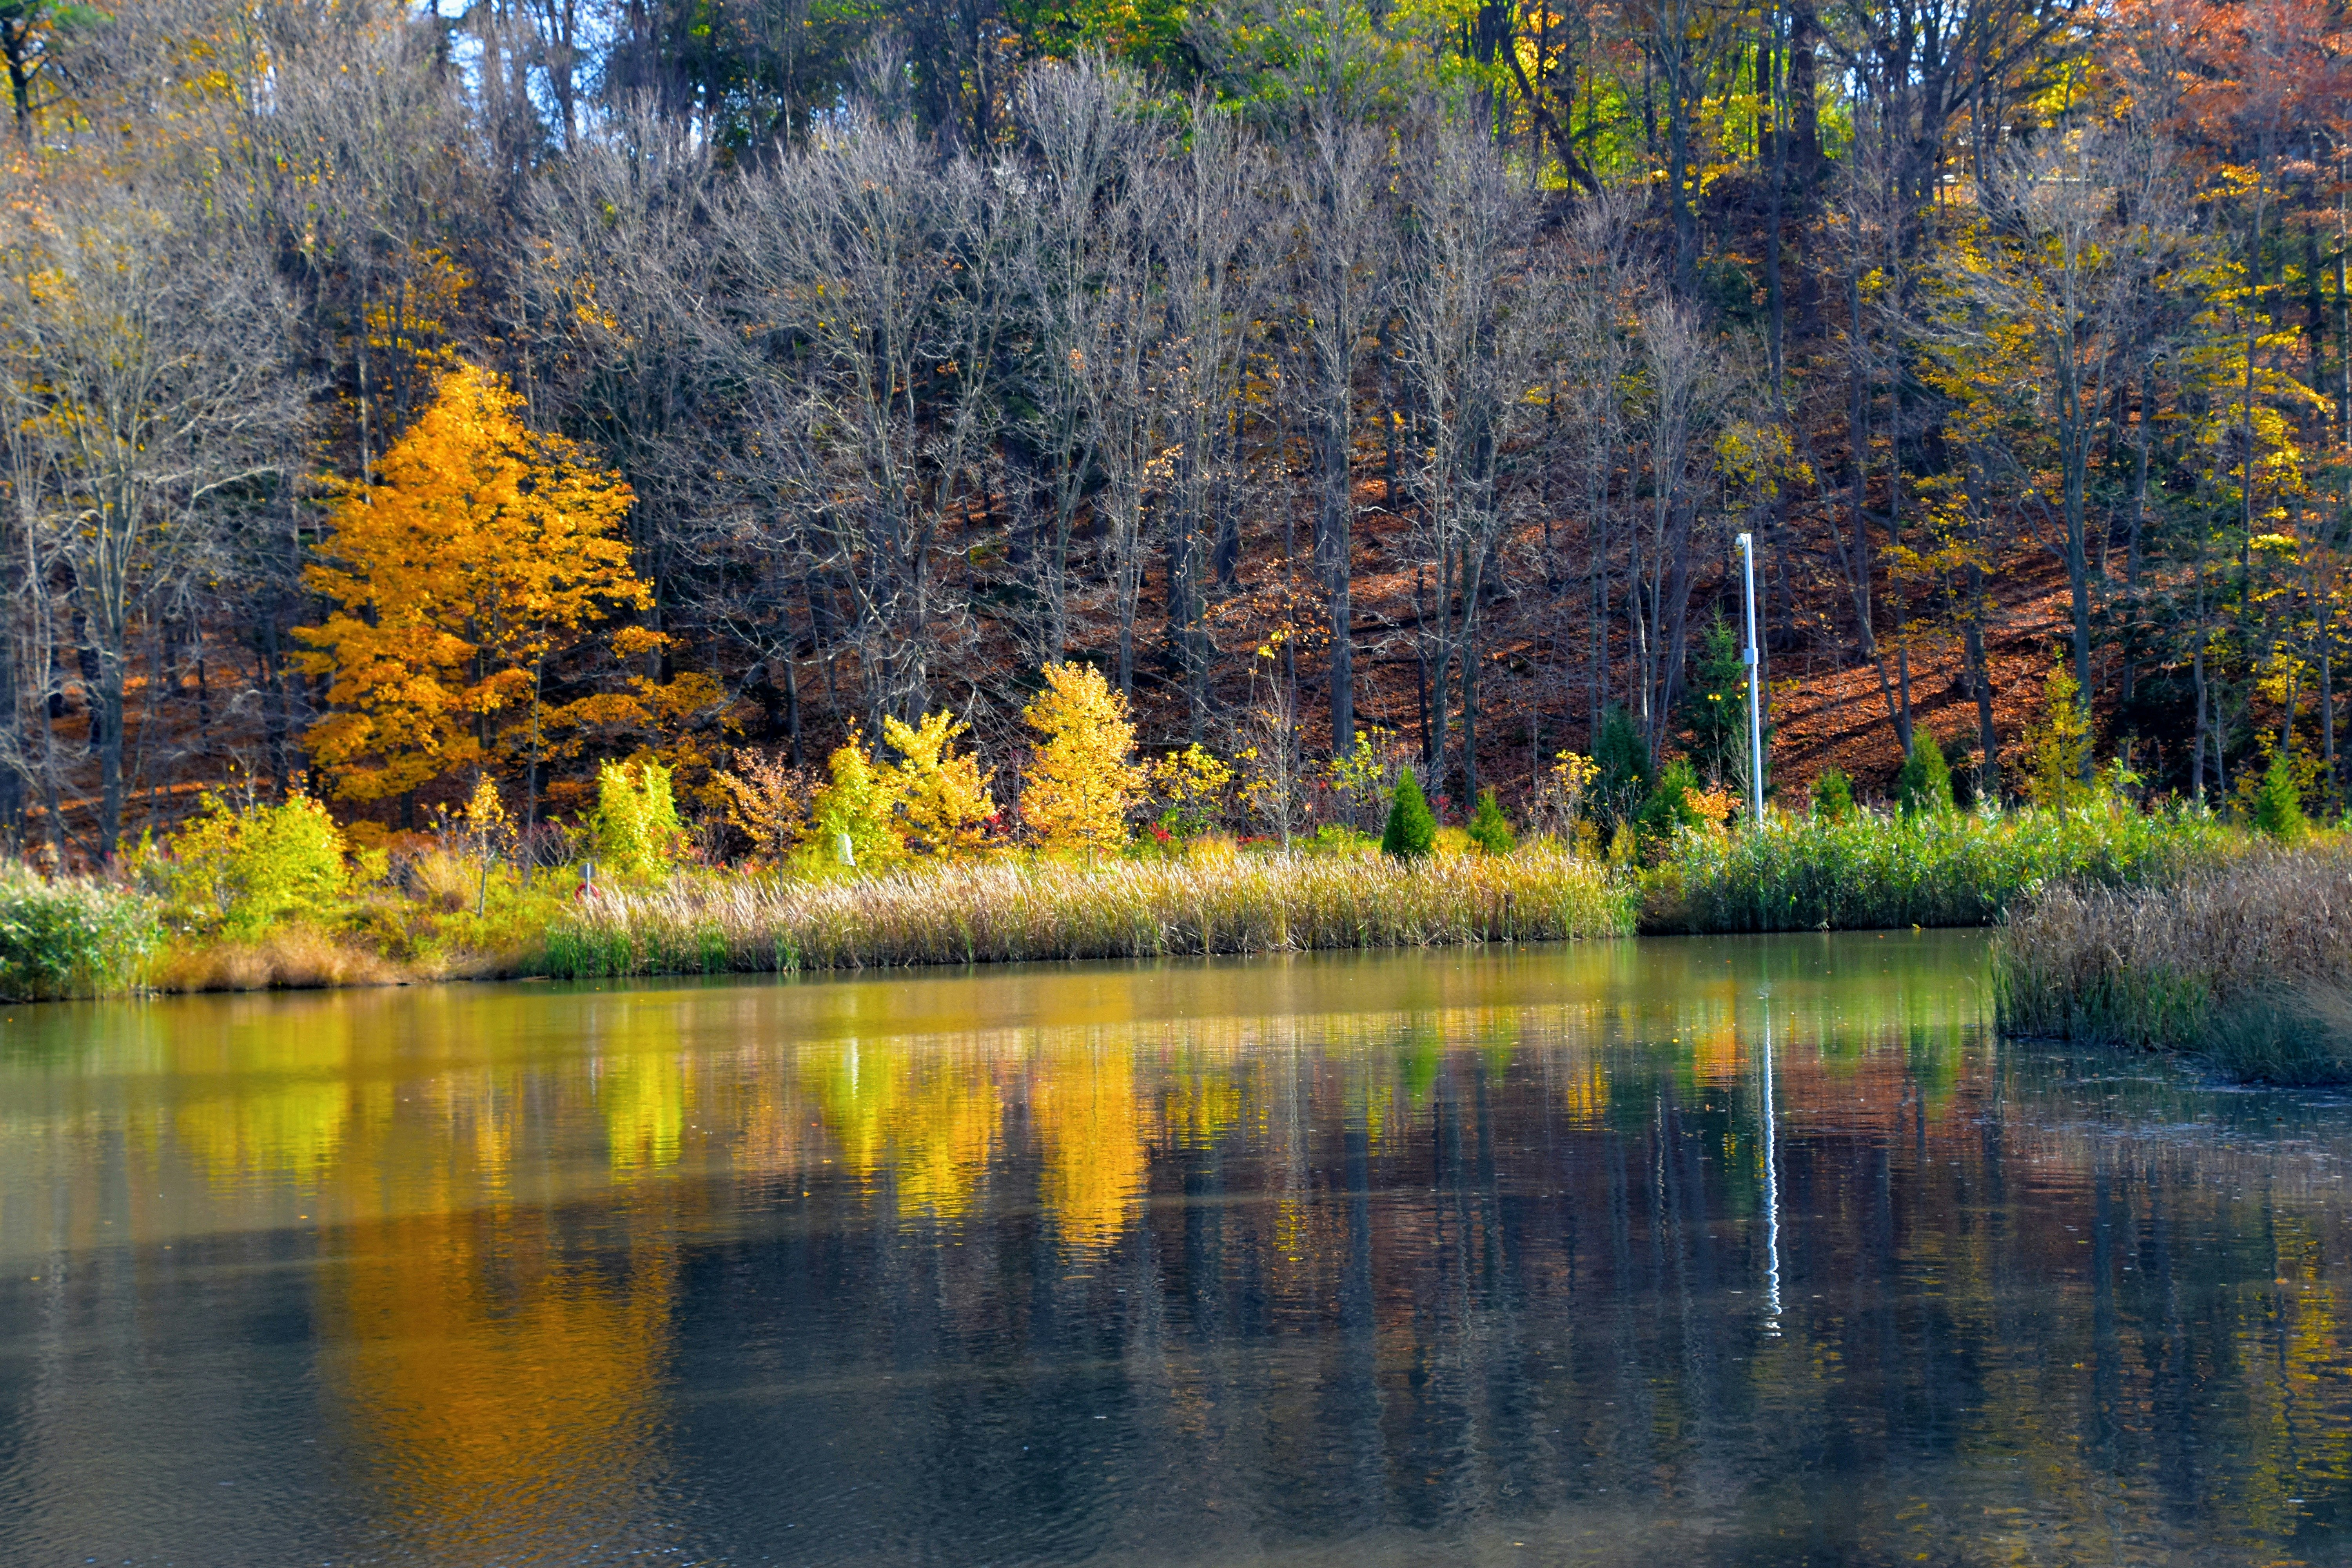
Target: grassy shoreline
{"x": 1869, "y": 872}
{"x": 1012, "y": 914}
{"x": 448, "y": 917}
{"x": 2246, "y": 963}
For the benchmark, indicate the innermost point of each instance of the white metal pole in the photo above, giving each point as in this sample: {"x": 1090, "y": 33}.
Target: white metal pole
{"x": 1755, "y": 703}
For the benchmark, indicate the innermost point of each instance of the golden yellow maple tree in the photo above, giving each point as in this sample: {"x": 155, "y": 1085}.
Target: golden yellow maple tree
{"x": 483, "y": 550}
{"x": 1080, "y": 785}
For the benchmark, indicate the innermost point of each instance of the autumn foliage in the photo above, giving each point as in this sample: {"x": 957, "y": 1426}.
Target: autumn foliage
{"x": 481, "y": 551}
{"x": 1075, "y": 794}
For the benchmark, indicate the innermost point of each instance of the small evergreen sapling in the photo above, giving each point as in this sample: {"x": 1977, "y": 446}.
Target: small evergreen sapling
{"x": 1924, "y": 787}
{"x": 1412, "y": 831}
{"x": 1490, "y": 830}
{"x": 1669, "y": 806}
{"x": 1622, "y": 759}
{"x": 2278, "y": 804}
{"x": 1832, "y": 795}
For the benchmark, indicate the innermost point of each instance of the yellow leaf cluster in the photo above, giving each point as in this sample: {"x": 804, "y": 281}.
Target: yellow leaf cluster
{"x": 2059, "y": 744}
{"x": 853, "y": 822}
{"x": 1076, "y": 792}
{"x": 943, "y": 803}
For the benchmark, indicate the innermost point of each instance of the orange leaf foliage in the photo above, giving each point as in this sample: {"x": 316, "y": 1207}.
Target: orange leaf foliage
{"x": 483, "y": 549}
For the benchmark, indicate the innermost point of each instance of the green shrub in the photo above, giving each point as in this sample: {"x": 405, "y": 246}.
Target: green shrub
{"x": 1412, "y": 831}
{"x": 1925, "y": 783}
{"x": 1669, "y": 809}
{"x": 1832, "y": 795}
{"x": 1490, "y": 830}
{"x": 239, "y": 872}
{"x": 2278, "y": 804}
{"x": 70, "y": 937}
{"x": 635, "y": 829}
{"x": 1335, "y": 838}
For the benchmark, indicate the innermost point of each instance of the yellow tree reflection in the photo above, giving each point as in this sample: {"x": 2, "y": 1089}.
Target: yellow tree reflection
{"x": 1090, "y": 1127}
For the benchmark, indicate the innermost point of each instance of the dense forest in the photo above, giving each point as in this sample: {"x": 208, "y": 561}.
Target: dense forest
{"x": 1317, "y": 373}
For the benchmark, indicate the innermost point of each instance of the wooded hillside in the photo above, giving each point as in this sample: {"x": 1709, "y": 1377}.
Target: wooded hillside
{"x": 394, "y": 397}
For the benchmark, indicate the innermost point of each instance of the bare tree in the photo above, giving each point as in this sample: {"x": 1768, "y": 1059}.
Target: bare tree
{"x": 1682, "y": 399}
{"x": 1211, "y": 289}
{"x": 1593, "y": 303}
{"x": 145, "y": 352}
{"x": 874, "y": 285}
{"x": 1083, "y": 267}
{"x": 614, "y": 308}
{"x": 1342, "y": 244}
{"x": 2081, "y": 220}
{"x": 1471, "y": 356}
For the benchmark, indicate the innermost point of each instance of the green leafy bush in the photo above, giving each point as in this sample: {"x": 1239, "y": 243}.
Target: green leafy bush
{"x": 635, "y": 829}
{"x": 71, "y": 937}
{"x": 1925, "y": 783}
{"x": 1490, "y": 830}
{"x": 1412, "y": 831}
{"x": 1335, "y": 838}
{"x": 239, "y": 871}
{"x": 1668, "y": 810}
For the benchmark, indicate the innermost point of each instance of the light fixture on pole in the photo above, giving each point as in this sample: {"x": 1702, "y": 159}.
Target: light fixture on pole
{"x": 1755, "y": 703}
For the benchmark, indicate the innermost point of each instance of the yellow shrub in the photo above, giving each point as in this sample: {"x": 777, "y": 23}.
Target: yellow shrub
{"x": 636, "y": 828}
{"x": 1189, "y": 786}
{"x": 2058, "y": 744}
{"x": 943, "y": 803}
{"x": 1078, "y": 788}
{"x": 241, "y": 872}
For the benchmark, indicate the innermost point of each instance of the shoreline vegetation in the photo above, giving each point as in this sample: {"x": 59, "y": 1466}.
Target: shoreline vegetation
{"x": 467, "y": 909}
{"x": 2246, "y": 961}
{"x": 1217, "y": 902}
{"x": 2120, "y": 925}
{"x": 2117, "y": 928}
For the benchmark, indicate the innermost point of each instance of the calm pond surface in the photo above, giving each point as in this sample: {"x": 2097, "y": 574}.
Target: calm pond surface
{"x": 1739, "y": 1251}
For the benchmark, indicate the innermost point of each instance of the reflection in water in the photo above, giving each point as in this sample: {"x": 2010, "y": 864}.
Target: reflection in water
{"x": 1753, "y": 1250}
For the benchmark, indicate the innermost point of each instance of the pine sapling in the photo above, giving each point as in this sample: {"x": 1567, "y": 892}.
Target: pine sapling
{"x": 1412, "y": 831}
{"x": 1490, "y": 830}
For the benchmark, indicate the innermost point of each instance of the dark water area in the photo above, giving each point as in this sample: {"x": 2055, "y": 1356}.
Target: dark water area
{"x": 1737, "y": 1251}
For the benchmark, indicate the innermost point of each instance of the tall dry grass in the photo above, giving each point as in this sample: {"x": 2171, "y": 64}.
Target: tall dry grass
{"x": 1007, "y": 912}
{"x": 2247, "y": 961}
{"x": 290, "y": 958}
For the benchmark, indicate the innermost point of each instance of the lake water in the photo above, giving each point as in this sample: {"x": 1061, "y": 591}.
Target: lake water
{"x": 1739, "y": 1251}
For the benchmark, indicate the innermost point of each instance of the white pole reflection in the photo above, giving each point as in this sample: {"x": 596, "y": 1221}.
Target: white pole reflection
{"x": 1771, "y": 1188}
